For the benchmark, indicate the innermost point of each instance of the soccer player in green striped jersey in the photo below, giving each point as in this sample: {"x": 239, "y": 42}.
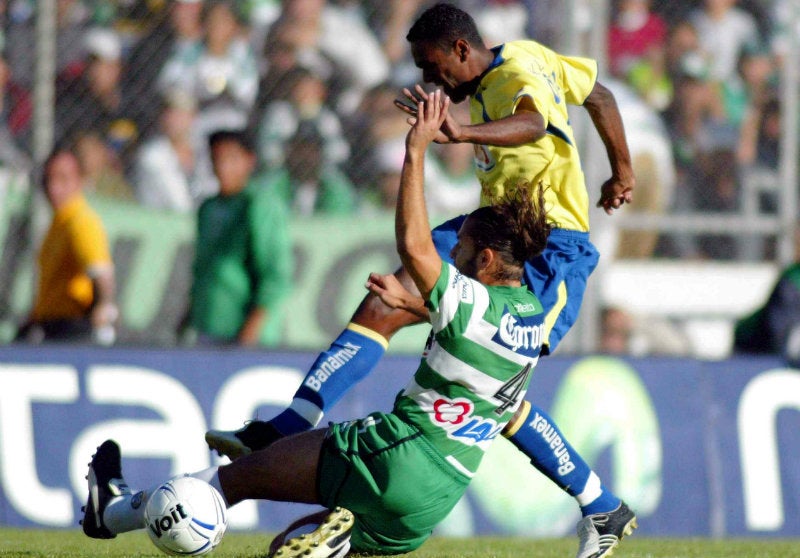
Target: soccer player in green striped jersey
{"x": 390, "y": 478}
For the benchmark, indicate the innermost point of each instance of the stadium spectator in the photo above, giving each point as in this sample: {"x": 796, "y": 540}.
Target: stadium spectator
{"x": 102, "y": 169}
{"x": 220, "y": 72}
{"x": 725, "y": 31}
{"x": 376, "y": 123}
{"x": 306, "y": 183}
{"x": 759, "y": 145}
{"x": 636, "y": 51}
{"x": 343, "y": 37}
{"x": 305, "y": 105}
{"x": 696, "y": 102}
{"x": 243, "y": 263}
{"x": 498, "y": 21}
{"x": 387, "y": 162}
{"x": 16, "y": 107}
{"x": 172, "y": 169}
{"x": 696, "y": 99}
{"x": 75, "y": 291}
{"x": 180, "y": 31}
{"x": 623, "y": 333}
{"x": 393, "y": 18}
{"x": 450, "y": 175}
{"x": 774, "y": 327}
{"x": 16, "y": 110}
{"x": 72, "y": 23}
{"x": 97, "y": 100}
{"x": 284, "y": 52}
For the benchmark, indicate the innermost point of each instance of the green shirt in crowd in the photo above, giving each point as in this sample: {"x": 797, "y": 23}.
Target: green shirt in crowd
{"x": 243, "y": 259}
{"x": 335, "y": 194}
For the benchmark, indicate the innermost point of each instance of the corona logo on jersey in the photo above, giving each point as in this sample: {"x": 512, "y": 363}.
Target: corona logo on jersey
{"x": 523, "y": 335}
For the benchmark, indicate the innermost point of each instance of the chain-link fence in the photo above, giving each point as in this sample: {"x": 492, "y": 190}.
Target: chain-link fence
{"x": 136, "y": 87}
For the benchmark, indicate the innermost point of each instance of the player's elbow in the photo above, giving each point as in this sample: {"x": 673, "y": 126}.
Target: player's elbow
{"x": 600, "y": 97}
{"x": 414, "y": 252}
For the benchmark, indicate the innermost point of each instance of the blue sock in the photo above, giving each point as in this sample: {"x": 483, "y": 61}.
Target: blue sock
{"x": 348, "y": 360}
{"x": 539, "y": 438}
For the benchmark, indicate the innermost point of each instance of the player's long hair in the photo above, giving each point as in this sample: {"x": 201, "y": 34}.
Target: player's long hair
{"x": 516, "y": 228}
{"x": 442, "y": 25}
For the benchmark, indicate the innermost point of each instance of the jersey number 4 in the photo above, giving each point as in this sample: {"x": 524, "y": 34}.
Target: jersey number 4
{"x": 510, "y": 392}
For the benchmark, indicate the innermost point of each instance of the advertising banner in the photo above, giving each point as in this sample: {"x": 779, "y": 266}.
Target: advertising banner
{"x": 696, "y": 448}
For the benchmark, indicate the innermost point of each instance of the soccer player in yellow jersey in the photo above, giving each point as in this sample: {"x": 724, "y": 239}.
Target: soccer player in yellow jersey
{"x": 519, "y": 126}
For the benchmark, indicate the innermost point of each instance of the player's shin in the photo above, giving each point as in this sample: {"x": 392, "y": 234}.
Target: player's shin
{"x": 349, "y": 359}
{"x": 538, "y": 437}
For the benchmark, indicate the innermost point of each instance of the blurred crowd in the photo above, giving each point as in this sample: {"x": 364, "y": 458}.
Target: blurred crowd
{"x": 142, "y": 85}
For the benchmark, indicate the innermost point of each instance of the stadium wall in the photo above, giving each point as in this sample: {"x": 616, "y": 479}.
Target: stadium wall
{"x": 153, "y": 250}
{"x": 698, "y": 448}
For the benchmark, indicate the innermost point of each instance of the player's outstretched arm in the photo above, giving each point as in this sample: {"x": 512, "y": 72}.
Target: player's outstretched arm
{"x": 602, "y": 108}
{"x": 412, "y": 228}
{"x": 526, "y": 125}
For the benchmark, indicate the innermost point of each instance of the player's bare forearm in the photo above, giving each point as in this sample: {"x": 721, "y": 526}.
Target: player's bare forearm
{"x": 412, "y": 229}
{"x": 526, "y": 125}
{"x": 603, "y": 110}
{"x": 517, "y": 129}
{"x": 394, "y": 295}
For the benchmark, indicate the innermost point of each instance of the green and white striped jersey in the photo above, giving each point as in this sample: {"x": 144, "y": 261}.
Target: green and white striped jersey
{"x": 484, "y": 344}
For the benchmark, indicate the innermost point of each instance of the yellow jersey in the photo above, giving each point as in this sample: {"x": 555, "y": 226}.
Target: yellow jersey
{"x": 528, "y": 69}
{"x": 75, "y": 244}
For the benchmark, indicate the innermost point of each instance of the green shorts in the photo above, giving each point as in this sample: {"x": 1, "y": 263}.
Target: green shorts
{"x": 398, "y": 486}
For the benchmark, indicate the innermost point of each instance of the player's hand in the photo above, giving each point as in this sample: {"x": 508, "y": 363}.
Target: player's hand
{"x": 391, "y": 292}
{"x": 614, "y": 193}
{"x": 450, "y": 128}
{"x": 431, "y": 113}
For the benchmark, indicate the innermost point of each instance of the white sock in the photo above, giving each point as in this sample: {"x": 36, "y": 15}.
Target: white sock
{"x": 211, "y": 476}
{"x": 591, "y": 492}
{"x": 125, "y": 513}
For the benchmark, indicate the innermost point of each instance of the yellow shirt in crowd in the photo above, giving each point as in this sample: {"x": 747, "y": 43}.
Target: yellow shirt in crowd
{"x": 75, "y": 246}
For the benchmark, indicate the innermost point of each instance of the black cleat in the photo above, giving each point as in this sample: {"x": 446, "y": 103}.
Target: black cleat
{"x": 600, "y": 533}
{"x": 254, "y": 436}
{"x": 105, "y": 483}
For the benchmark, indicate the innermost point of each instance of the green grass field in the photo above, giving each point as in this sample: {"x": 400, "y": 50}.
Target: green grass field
{"x": 21, "y": 543}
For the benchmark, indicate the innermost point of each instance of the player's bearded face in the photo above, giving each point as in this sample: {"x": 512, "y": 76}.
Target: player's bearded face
{"x": 464, "y": 253}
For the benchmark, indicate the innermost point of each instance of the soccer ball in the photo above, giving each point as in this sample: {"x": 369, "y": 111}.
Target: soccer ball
{"x": 185, "y": 517}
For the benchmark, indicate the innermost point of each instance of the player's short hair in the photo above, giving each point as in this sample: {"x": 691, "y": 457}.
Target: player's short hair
{"x": 242, "y": 138}
{"x": 516, "y": 228}
{"x": 443, "y": 24}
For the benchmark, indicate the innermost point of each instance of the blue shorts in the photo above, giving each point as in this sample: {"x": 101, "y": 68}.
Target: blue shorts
{"x": 557, "y": 276}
